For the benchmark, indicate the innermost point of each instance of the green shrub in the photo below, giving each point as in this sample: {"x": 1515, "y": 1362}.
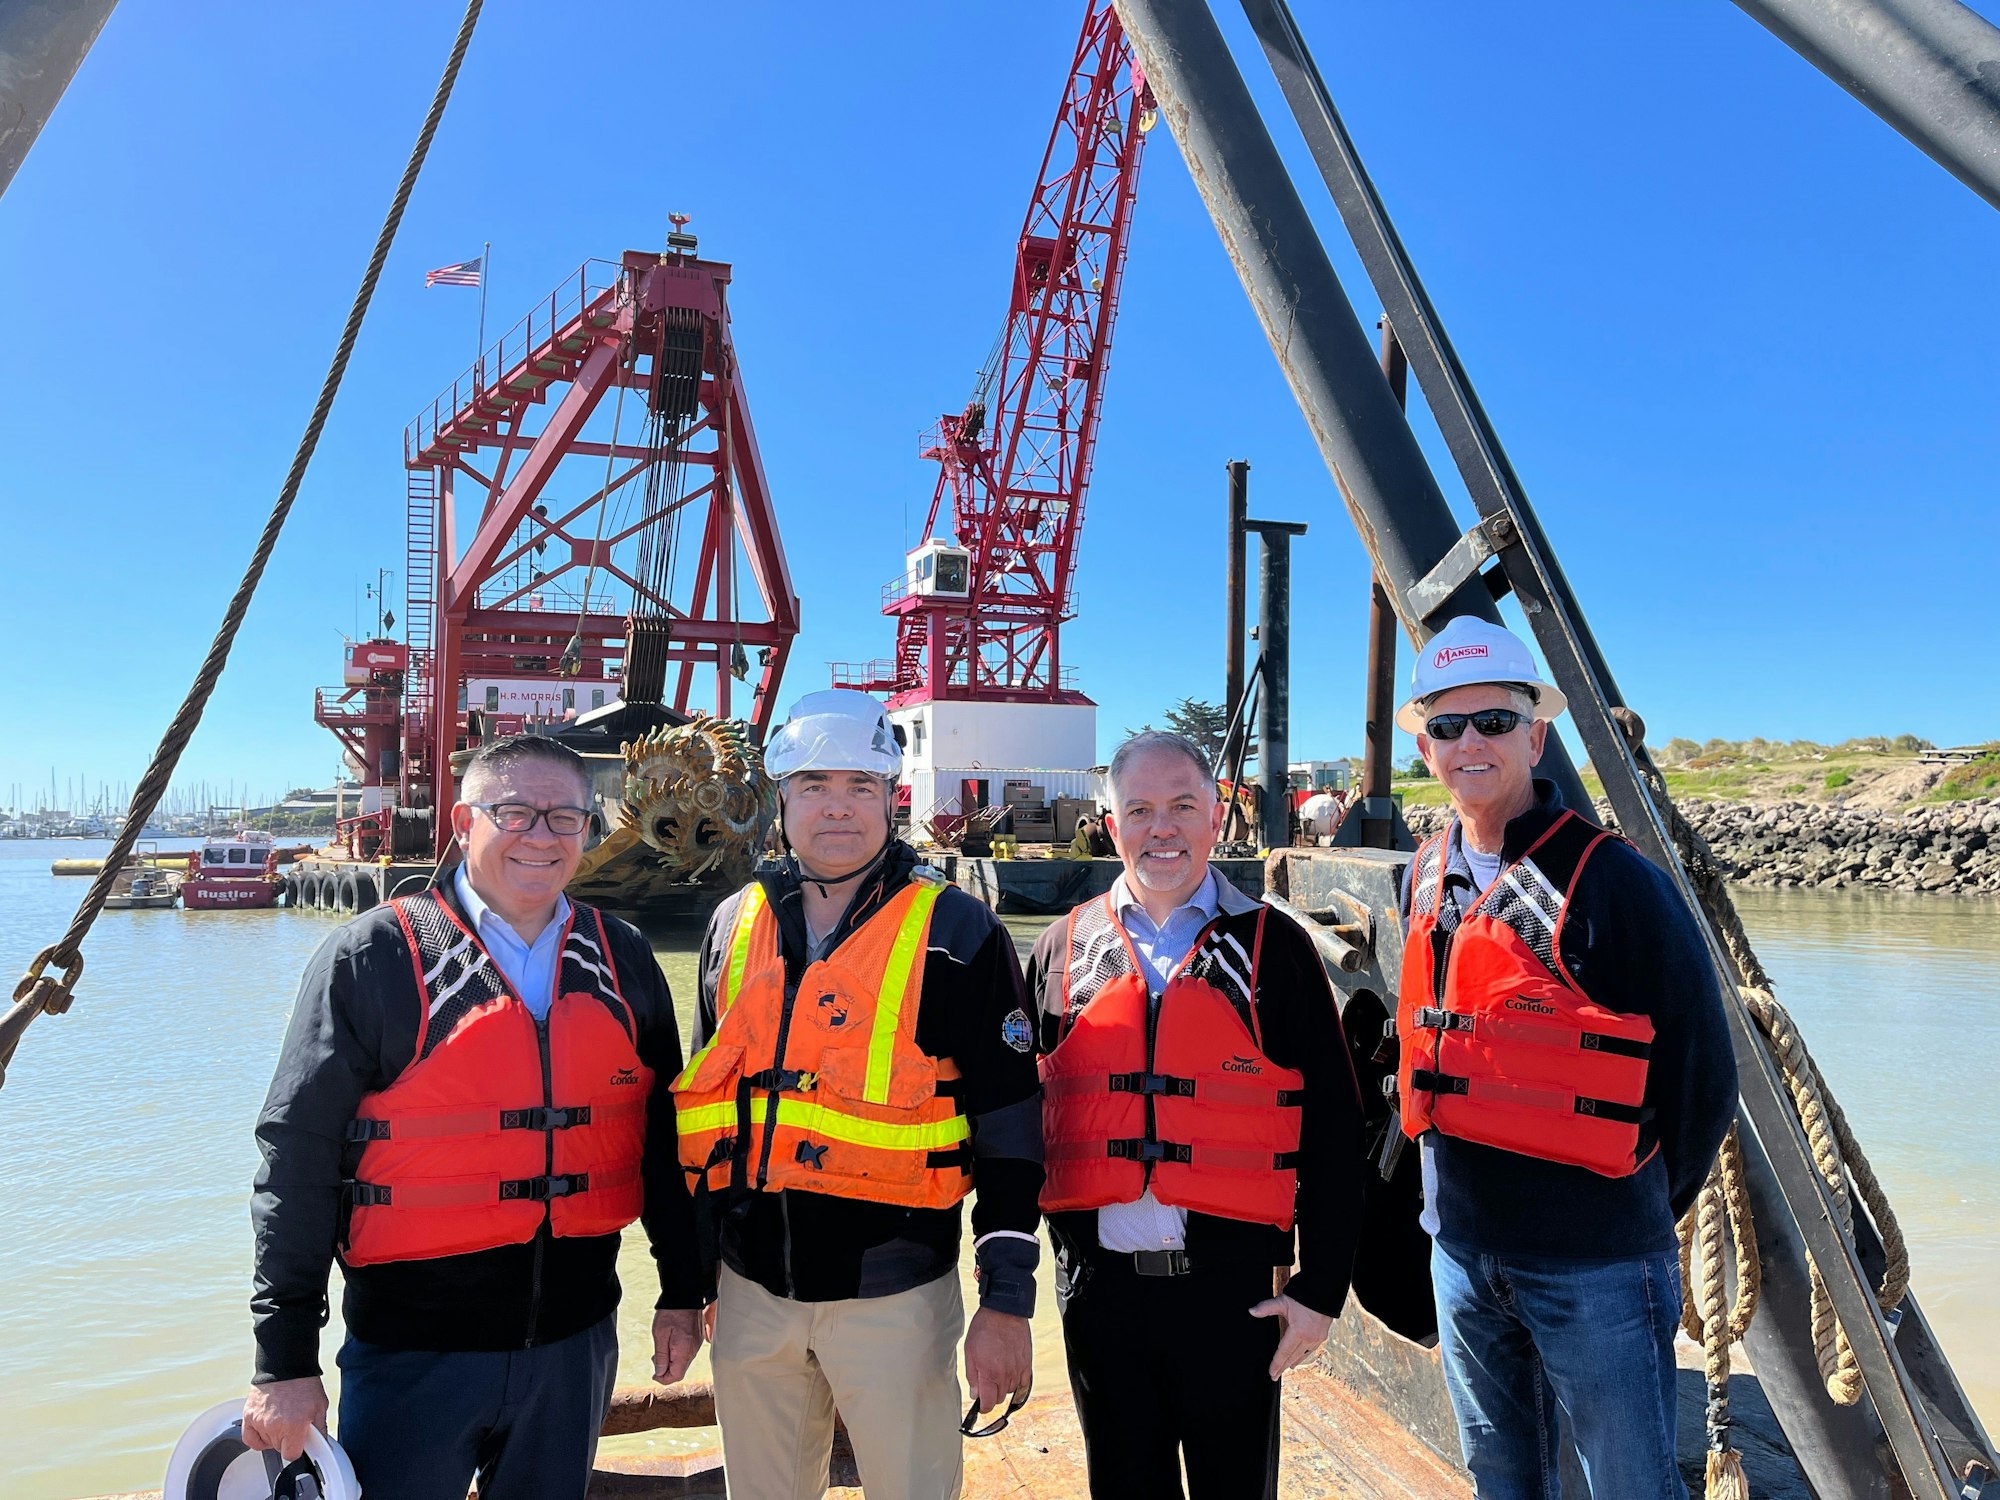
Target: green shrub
{"x": 1836, "y": 780}
{"x": 1792, "y": 789}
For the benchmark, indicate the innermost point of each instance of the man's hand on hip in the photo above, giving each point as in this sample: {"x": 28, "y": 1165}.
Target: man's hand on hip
{"x": 279, "y": 1415}
{"x": 999, "y": 1357}
{"x": 676, "y": 1341}
{"x": 1304, "y": 1331}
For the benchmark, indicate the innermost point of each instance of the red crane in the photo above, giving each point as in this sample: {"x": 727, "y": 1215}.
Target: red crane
{"x": 979, "y": 617}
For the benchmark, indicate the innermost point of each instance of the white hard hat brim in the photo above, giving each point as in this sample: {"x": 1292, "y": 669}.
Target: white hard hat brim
{"x": 1549, "y": 704}
{"x": 224, "y": 1421}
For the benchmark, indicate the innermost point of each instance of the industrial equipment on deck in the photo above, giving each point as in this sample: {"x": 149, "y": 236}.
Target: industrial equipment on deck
{"x": 604, "y": 573}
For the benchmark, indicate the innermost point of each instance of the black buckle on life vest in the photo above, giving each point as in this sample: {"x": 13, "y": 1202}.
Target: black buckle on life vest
{"x": 1433, "y": 1018}
{"x": 784, "y": 1080}
{"x": 367, "y": 1130}
{"x": 1617, "y": 1046}
{"x": 368, "y": 1194}
{"x": 1138, "y": 1149}
{"x": 1161, "y": 1262}
{"x": 1438, "y": 1083}
{"x": 1606, "y": 1109}
{"x": 543, "y": 1118}
{"x": 1152, "y": 1084}
{"x": 541, "y": 1189}
{"x": 1291, "y": 1098}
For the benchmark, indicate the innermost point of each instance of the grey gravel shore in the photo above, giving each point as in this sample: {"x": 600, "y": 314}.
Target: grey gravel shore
{"x": 1953, "y": 847}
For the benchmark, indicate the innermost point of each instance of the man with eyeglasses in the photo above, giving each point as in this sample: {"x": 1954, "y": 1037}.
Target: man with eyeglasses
{"x": 470, "y": 1104}
{"x": 1565, "y": 1063}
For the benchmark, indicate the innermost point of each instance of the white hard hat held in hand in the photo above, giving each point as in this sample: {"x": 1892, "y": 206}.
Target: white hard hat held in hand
{"x": 210, "y": 1462}
{"x": 835, "y": 729}
{"x": 1467, "y": 651}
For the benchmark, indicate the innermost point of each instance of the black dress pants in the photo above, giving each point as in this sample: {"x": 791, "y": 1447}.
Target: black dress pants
{"x": 1166, "y": 1369}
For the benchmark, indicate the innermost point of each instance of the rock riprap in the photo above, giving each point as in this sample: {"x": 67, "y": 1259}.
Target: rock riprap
{"x": 1946, "y": 846}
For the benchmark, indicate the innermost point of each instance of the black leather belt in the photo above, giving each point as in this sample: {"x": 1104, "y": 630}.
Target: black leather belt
{"x": 1144, "y": 1262}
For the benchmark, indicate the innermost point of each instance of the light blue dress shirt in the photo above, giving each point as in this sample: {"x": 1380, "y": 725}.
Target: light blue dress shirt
{"x": 529, "y": 967}
{"x": 1147, "y": 1223}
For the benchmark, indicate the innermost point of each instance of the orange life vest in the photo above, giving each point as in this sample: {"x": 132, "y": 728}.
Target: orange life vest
{"x": 1179, "y": 1096}
{"x": 498, "y": 1125}
{"x": 1499, "y": 1044}
{"x": 825, "y": 1090}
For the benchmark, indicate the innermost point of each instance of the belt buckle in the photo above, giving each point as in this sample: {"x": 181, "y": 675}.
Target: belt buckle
{"x": 1161, "y": 1262}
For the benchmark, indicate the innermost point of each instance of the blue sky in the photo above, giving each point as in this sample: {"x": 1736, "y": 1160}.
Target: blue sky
{"x": 1728, "y": 325}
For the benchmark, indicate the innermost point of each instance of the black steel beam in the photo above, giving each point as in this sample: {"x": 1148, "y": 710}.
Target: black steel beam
{"x": 1234, "y": 587}
{"x": 1391, "y": 494}
{"x": 42, "y": 44}
{"x": 1930, "y": 68}
{"x": 1274, "y": 642}
{"x": 1290, "y": 284}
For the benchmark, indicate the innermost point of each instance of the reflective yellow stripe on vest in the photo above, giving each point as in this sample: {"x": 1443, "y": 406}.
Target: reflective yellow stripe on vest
{"x": 895, "y": 981}
{"x": 732, "y": 975}
{"x": 822, "y": 1120}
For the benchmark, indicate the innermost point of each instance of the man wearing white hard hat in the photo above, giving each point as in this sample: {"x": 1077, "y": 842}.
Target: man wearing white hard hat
{"x": 864, "y": 1062}
{"x": 1565, "y": 1063}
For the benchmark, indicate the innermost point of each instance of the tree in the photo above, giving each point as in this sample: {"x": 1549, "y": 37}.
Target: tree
{"x": 1199, "y": 721}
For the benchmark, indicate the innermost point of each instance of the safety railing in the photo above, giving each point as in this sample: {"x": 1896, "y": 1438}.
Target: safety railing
{"x": 593, "y": 281}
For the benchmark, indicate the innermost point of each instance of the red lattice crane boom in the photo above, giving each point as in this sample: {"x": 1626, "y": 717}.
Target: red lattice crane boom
{"x": 979, "y": 617}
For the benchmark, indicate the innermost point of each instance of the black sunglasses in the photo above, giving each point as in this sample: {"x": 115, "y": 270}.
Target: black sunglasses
{"x": 1014, "y": 1403}
{"x": 1491, "y": 722}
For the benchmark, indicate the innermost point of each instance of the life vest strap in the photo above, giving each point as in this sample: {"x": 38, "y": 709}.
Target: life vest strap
{"x": 1137, "y": 1148}
{"x": 1502, "y": 1092}
{"x": 1435, "y": 1018}
{"x": 543, "y": 1118}
{"x": 1165, "y": 1084}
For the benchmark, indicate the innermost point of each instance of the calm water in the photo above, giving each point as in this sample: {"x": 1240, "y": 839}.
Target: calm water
{"x": 126, "y": 1149}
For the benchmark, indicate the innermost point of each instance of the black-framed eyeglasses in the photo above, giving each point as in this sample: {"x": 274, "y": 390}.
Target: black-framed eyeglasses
{"x": 1491, "y": 722}
{"x": 519, "y": 817}
{"x": 1014, "y": 1403}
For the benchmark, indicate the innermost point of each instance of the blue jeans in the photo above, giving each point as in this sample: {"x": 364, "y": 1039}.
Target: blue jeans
{"x": 418, "y": 1425}
{"x": 1532, "y": 1344}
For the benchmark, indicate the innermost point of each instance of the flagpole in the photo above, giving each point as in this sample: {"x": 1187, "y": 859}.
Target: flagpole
{"x": 485, "y": 274}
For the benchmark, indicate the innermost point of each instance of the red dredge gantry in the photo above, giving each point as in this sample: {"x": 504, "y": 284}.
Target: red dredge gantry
{"x": 603, "y": 561}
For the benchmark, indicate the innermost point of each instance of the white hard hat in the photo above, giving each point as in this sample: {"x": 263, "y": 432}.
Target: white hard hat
{"x": 836, "y": 729}
{"x": 210, "y": 1462}
{"x": 1469, "y": 650}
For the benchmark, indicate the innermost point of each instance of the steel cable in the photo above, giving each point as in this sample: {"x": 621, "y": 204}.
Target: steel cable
{"x": 37, "y": 992}
{"x": 1720, "y": 1218}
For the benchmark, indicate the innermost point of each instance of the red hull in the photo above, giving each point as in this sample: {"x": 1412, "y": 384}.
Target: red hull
{"x": 201, "y": 893}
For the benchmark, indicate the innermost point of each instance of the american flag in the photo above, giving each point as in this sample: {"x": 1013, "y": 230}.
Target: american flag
{"x": 465, "y": 273}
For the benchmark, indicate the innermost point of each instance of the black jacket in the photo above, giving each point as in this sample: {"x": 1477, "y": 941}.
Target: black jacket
{"x": 1300, "y": 1024}
{"x": 352, "y": 1031}
{"x": 815, "y": 1247}
{"x": 1631, "y": 946}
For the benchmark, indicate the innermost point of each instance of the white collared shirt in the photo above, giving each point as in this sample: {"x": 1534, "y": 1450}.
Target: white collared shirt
{"x": 1147, "y": 1223}
{"x": 529, "y": 966}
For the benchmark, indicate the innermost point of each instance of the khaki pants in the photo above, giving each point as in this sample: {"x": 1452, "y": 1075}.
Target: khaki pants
{"x": 889, "y": 1364}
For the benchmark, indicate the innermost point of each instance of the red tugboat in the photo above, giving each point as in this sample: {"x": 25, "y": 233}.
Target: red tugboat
{"x": 234, "y": 873}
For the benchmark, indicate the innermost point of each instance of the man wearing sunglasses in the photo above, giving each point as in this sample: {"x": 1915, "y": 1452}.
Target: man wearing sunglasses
{"x": 470, "y": 1105}
{"x": 1565, "y": 1064}
{"x": 1198, "y": 1107}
